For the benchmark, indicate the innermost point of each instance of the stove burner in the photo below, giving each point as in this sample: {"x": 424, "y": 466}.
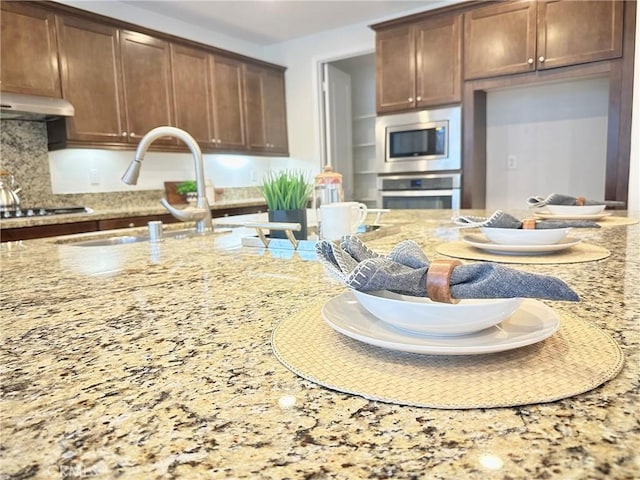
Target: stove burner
{"x": 42, "y": 211}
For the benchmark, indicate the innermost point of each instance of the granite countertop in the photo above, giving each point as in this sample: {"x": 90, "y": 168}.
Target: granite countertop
{"x": 115, "y": 212}
{"x": 150, "y": 361}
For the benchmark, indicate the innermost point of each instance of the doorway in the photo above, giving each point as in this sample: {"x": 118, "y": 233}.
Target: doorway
{"x": 348, "y": 124}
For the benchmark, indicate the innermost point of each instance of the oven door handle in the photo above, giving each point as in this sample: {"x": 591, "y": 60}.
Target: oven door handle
{"x": 416, "y": 193}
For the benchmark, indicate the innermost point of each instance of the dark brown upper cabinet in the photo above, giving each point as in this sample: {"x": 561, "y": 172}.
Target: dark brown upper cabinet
{"x": 227, "y": 94}
{"x": 146, "y": 67}
{"x": 118, "y": 81}
{"x": 92, "y": 81}
{"x": 191, "y": 93}
{"x": 124, "y": 82}
{"x": 29, "y": 50}
{"x": 208, "y": 98}
{"x": 418, "y": 65}
{"x": 265, "y": 110}
{"x": 523, "y": 36}
{"x": 275, "y": 111}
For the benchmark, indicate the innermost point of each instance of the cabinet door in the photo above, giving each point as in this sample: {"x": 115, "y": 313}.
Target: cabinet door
{"x": 254, "y": 97}
{"x": 190, "y": 68}
{"x": 438, "y": 47}
{"x": 275, "y": 112}
{"x": 227, "y": 103}
{"x": 500, "y": 40}
{"x": 572, "y": 32}
{"x": 29, "y": 51}
{"x": 395, "y": 69}
{"x": 147, "y": 84}
{"x": 91, "y": 80}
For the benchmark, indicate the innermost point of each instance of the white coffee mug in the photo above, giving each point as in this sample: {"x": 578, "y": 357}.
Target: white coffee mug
{"x": 360, "y": 213}
{"x": 340, "y": 219}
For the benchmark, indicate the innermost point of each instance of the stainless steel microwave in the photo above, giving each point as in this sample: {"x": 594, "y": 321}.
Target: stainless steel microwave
{"x": 425, "y": 141}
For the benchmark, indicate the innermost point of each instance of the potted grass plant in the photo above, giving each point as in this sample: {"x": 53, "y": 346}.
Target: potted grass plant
{"x": 287, "y": 194}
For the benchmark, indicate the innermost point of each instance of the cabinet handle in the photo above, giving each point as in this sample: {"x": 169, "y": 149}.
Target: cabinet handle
{"x": 410, "y": 99}
{"x": 218, "y": 141}
{"x": 131, "y": 134}
{"x": 418, "y": 99}
{"x": 541, "y": 59}
{"x": 132, "y": 224}
{"x": 124, "y": 134}
{"x": 530, "y": 61}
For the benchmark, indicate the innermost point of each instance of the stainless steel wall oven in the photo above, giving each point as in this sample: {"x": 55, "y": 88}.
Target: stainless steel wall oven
{"x": 420, "y": 191}
{"x": 419, "y": 161}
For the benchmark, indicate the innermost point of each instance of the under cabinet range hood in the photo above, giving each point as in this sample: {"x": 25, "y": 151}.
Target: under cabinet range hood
{"x": 15, "y": 106}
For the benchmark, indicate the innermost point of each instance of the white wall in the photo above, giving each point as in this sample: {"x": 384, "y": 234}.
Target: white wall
{"x": 557, "y": 136}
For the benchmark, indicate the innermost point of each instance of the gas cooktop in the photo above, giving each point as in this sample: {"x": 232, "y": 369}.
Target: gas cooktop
{"x": 42, "y": 211}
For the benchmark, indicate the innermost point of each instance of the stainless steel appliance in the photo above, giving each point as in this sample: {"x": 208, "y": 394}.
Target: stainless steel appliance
{"x": 420, "y": 191}
{"x": 423, "y": 141}
{"x": 8, "y": 191}
{"x": 42, "y": 211}
{"x": 15, "y": 106}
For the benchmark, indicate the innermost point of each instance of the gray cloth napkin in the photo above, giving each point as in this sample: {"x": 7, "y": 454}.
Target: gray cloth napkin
{"x": 558, "y": 199}
{"x": 500, "y": 219}
{"x": 404, "y": 271}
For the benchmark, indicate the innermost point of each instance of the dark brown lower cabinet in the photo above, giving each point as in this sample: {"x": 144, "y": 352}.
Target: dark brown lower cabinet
{"x": 61, "y": 229}
{"x": 41, "y": 231}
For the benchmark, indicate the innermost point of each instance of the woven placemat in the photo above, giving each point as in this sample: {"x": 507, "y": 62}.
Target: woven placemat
{"x": 614, "y": 221}
{"x": 610, "y": 221}
{"x": 577, "y": 358}
{"x": 583, "y": 252}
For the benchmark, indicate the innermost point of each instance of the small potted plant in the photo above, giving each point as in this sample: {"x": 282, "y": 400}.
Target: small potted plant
{"x": 189, "y": 189}
{"x": 287, "y": 194}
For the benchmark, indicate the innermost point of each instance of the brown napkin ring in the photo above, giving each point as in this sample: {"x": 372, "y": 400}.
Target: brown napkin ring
{"x": 580, "y": 201}
{"x": 529, "y": 224}
{"x": 438, "y": 278}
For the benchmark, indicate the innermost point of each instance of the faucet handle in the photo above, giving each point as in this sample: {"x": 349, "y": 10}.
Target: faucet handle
{"x": 188, "y": 214}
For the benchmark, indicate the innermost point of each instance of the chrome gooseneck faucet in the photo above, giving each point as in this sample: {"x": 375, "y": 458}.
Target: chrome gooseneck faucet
{"x": 201, "y": 213}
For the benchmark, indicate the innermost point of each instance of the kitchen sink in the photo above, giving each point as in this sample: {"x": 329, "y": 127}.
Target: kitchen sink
{"x": 107, "y": 241}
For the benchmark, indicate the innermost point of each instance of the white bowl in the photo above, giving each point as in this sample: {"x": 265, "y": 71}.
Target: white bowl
{"x": 421, "y": 315}
{"x": 525, "y": 236}
{"x": 576, "y": 209}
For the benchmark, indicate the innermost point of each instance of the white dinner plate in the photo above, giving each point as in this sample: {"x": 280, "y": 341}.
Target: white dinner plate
{"x": 482, "y": 243}
{"x": 551, "y": 216}
{"x": 532, "y": 323}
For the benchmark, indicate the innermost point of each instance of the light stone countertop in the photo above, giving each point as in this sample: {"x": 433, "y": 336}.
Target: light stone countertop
{"x": 116, "y": 212}
{"x": 146, "y": 361}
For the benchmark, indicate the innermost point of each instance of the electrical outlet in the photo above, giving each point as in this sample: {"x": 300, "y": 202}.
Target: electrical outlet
{"x": 512, "y": 162}
{"x": 94, "y": 176}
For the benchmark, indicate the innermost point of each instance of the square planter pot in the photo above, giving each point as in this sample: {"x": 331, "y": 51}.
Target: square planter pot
{"x": 289, "y": 216}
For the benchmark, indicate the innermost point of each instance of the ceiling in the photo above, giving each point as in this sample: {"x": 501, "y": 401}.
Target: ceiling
{"x": 266, "y": 22}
